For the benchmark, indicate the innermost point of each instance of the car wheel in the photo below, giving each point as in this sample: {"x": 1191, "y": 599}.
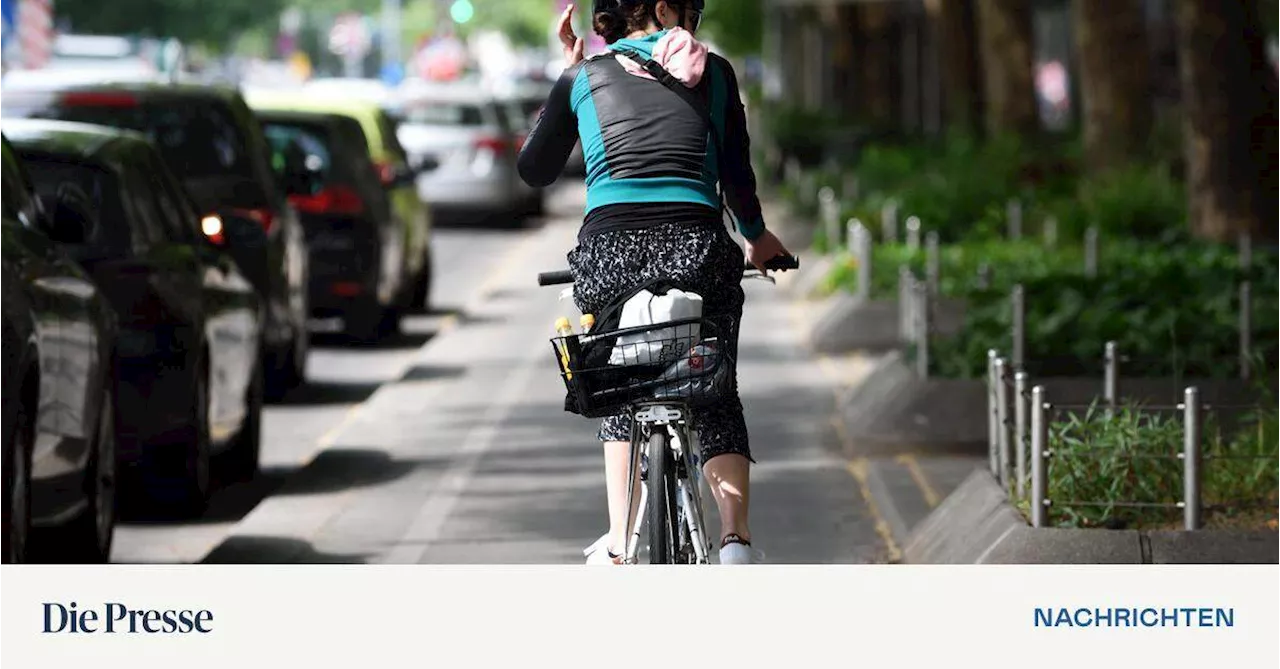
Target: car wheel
{"x": 285, "y": 369}
{"x": 17, "y": 491}
{"x": 182, "y": 488}
{"x": 422, "y": 287}
{"x": 88, "y": 538}
{"x": 242, "y": 459}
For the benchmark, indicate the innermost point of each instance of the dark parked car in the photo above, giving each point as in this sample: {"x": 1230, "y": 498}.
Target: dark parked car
{"x": 346, "y": 211}
{"x": 59, "y": 411}
{"x": 190, "y": 380}
{"x": 216, "y": 148}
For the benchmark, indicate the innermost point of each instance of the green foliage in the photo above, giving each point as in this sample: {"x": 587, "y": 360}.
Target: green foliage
{"x": 736, "y": 26}
{"x": 195, "y": 21}
{"x": 1172, "y": 311}
{"x": 1142, "y": 201}
{"x": 1110, "y": 458}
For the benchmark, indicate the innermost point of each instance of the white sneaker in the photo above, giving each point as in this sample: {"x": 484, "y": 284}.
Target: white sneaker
{"x": 598, "y": 553}
{"x": 739, "y": 553}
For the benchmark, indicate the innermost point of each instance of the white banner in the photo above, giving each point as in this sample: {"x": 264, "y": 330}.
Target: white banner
{"x": 245, "y": 617}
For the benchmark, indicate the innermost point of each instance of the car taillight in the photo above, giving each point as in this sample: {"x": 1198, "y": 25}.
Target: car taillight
{"x": 386, "y": 173}
{"x": 264, "y": 217}
{"x": 494, "y": 144}
{"x": 98, "y": 99}
{"x": 331, "y": 200}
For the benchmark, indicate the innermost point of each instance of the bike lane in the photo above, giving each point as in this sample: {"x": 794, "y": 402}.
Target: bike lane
{"x": 470, "y": 458}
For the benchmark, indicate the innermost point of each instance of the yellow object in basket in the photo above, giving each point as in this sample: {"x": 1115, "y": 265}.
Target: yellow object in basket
{"x": 587, "y": 322}
{"x": 564, "y": 330}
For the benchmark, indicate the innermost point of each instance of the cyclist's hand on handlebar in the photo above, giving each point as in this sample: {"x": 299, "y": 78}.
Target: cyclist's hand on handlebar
{"x": 765, "y": 248}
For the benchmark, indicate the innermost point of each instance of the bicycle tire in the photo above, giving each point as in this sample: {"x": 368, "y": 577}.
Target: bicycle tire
{"x": 661, "y": 511}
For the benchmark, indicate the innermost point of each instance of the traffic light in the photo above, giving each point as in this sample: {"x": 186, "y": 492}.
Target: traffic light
{"x": 462, "y": 11}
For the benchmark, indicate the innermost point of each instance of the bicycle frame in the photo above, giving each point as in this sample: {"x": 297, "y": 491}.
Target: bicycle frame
{"x": 676, "y": 420}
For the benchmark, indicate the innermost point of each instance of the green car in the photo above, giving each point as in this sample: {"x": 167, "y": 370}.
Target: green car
{"x": 369, "y": 234}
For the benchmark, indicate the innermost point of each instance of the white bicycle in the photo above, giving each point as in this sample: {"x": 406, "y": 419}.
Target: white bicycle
{"x": 659, "y": 398}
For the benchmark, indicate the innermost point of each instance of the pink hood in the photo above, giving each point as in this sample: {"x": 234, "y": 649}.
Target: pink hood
{"x": 680, "y": 53}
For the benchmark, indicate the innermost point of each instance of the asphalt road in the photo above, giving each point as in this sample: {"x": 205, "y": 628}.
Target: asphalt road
{"x": 448, "y": 443}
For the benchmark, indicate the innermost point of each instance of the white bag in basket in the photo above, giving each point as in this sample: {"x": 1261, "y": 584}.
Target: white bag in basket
{"x": 657, "y": 345}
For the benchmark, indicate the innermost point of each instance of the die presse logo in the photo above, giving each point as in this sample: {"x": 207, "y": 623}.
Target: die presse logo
{"x": 116, "y": 618}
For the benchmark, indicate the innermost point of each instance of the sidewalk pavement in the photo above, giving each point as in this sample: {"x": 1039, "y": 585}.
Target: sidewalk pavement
{"x": 901, "y": 487}
{"x": 470, "y": 458}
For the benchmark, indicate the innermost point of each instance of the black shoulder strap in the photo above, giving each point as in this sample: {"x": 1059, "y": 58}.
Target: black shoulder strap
{"x": 660, "y": 73}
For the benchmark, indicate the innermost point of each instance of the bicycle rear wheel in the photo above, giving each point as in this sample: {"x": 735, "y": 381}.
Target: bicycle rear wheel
{"x": 662, "y": 521}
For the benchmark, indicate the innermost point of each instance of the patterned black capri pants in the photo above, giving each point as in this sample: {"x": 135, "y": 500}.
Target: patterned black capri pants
{"x": 703, "y": 258}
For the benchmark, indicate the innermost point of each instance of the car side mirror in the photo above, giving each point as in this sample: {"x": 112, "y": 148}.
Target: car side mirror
{"x": 426, "y": 164}
{"x": 69, "y": 217}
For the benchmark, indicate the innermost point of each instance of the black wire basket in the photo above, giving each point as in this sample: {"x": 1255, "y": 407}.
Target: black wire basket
{"x": 683, "y": 361}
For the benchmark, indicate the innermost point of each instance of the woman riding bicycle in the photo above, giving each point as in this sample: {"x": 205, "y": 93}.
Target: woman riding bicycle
{"x": 653, "y": 212}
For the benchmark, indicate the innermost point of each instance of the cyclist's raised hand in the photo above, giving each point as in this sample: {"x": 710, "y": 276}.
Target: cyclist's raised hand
{"x": 574, "y": 46}
{"x": 766, "y": 247}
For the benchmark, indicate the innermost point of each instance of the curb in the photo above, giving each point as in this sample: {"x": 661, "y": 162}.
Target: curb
{"x": 976, "y": 524}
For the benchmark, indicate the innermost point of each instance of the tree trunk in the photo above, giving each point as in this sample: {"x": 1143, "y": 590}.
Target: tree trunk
{"x": 958, "y": 52}
{"x": 1005, "y": 33}
{"x": 1115, "y": 80}
{"x": 876, "y": 54}
{"x": 1229, "y": 101}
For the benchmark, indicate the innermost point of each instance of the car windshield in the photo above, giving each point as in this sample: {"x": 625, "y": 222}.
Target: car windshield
{"x": 199, "y": 139}
{"x": 48, "y": 173}
{"x": 446, "y": 113}
{"x": 311, "y": 138}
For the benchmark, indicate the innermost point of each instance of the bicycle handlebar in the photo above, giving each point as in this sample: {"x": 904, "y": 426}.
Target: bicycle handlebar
{"x": 779, "y": 264}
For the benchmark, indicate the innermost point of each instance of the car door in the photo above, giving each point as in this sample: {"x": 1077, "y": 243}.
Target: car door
{"x": 409, "y": 210}
{"x": 231, "y": 314}
{"x": 68, "y": 321}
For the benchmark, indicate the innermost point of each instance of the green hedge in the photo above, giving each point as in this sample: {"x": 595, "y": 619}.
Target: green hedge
{"x": 1126, "y": 455}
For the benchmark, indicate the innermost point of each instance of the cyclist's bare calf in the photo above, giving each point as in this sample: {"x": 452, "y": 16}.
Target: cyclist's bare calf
{"x": 617, "y": 459}
{"x": 729, "y": 475}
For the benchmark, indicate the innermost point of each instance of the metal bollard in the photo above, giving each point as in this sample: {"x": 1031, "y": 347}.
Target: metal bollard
{"x": 1039, "y": 458}
{"x": 1019, "y": 306}
{"x": 792, "y": 171}
{"x": 933, "y": 262}
{"x": 1111, "y": 375}
{"x": 905, "y": 297}
{"x": 1020, "y": 434}
{"x": 1246, "y": 329}
{"x": 860, "y": 245}
{"x": 829, "y": 211}
{"x": 984, "y": 276}
{"x": 1002, "y": 421}
{"x": 1246, "y": 252}
{"x": 1051, "y": 232}
{"x": 921, "y": 304}
{"x": 1091, "y": 252}
{"x": 993, "y": 446}
{"x": 1013, "y": 212}
{"x": 889, "y": 222}
{"x": 913, "y": 234}
{"x": 849, "y": 187}
{"x": 1191, "y": 459}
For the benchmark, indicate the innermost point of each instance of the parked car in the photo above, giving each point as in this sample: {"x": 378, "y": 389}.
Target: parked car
{"x": 471, "y": 137}
{"x": 190, "y": 379}
{"x": 530, "y": 97}
{"x": 59, "y": 417}
{"x": 214, "y": 145}
{"x": 401, "y": 249}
